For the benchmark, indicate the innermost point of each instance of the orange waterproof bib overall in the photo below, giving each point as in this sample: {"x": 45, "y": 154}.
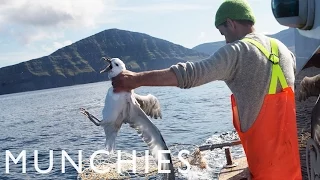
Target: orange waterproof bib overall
{"x": 271, "y": 144}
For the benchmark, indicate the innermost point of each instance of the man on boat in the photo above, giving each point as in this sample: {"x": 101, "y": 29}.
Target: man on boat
{"x": 260, "y": 73}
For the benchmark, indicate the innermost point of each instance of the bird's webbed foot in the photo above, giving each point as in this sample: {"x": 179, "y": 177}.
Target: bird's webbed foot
{"x": 91, "y": 117}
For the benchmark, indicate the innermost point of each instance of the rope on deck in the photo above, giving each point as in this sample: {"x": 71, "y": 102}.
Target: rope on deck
{"x": 215, "y": 146}
{"x": 104, "y": 162}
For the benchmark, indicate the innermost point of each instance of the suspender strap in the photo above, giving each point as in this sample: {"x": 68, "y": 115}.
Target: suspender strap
{"x": 276, "y": 72}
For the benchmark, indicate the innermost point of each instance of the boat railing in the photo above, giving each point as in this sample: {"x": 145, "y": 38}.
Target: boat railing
{"x": 227, "y": 146}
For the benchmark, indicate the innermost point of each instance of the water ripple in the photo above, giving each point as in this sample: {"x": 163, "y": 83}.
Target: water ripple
{"x": 50, "y": 120}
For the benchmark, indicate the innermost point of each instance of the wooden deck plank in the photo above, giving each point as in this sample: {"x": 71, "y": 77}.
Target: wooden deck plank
{"x": 235, "y": 173}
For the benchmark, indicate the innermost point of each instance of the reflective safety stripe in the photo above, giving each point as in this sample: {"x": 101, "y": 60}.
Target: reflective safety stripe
{"x": 276, "y": 72}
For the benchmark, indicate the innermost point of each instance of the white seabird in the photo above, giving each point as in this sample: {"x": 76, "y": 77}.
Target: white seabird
{"x": 128, "y": 107}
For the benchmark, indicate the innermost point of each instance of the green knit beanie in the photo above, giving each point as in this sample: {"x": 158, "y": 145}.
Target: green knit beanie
{"x": 234, "y": 10}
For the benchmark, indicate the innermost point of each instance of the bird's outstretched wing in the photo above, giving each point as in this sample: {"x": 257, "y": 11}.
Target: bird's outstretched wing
{"x": 152, "y": 136}
{"x": 150, "y": 105}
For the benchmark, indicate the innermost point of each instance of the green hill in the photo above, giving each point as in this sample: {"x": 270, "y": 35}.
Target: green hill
{"x": 80, "y": 62}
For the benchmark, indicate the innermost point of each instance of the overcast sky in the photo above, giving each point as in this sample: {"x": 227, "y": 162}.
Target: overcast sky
{"x": 34, "y": 28}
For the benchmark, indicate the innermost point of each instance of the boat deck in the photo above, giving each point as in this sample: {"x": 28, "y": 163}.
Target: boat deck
{"x": 240, "y": 171}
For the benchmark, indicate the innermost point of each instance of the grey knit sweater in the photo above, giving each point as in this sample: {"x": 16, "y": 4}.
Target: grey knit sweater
{"x": 245, "y": 70}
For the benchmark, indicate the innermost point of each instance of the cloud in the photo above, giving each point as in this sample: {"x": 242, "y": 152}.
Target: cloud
{"x": 51, "y": 12}
{"x": 163, "y": 7}
{"x": 202, "y": 35}
{"x": 36, "y": 15}
{"x": 29, "y": 35}
{"x": 56, "y": 45}
{"x": 29, "y": 21}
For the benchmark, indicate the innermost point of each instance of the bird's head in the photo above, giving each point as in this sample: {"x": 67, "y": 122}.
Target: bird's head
{"x": 115, "y": 67}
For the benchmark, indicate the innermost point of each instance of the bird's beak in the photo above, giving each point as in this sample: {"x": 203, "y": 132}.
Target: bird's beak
{"x": 109, "y": 67}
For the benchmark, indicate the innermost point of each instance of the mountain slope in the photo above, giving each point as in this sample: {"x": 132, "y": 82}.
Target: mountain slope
{"x": 80, "y": 62}
{"x": 285, "y": 36}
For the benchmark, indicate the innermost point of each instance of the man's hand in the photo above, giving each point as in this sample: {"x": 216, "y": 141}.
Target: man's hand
{"x": 125, "y": 81}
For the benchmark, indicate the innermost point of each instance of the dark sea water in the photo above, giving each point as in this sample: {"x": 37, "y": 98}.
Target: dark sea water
{"x": 50, "y": 120}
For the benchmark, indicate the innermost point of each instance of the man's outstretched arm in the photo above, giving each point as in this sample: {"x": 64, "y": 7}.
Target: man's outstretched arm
{"x": 128, "y": 80}
{"x": 220, "y": 66}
